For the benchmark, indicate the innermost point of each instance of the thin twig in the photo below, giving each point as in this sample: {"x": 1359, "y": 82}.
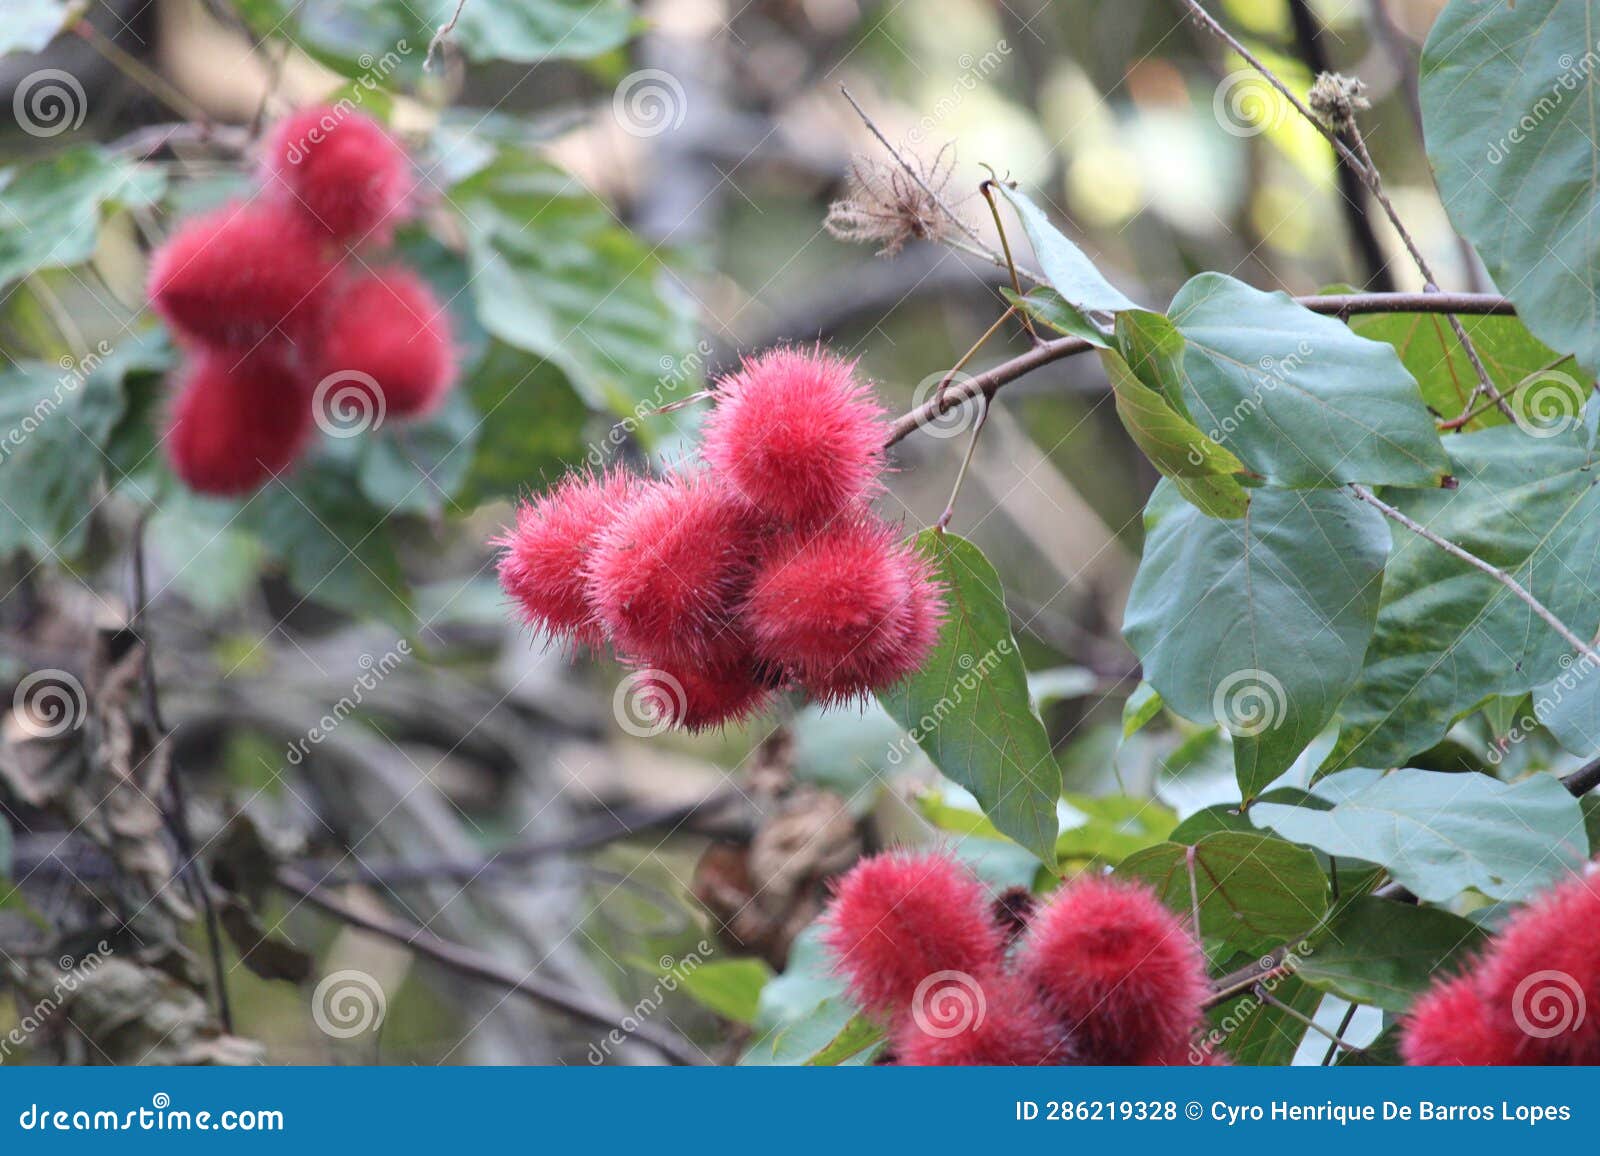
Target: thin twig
{"x": 177, "y": 804}
{"x": 140, "y": 73}
{"x": 1267, "y": 997}
{"x": 1344, "y": 1026}
{"x": 1517, "y": 589}
{"x": 465, "y": 961}
{"x": 441, "y": 35}
{"x": 1341, "y": 305}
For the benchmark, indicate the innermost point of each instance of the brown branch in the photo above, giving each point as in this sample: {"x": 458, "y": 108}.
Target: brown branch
{"x": 464, "y": 961}
{"x": 1341, "y": 305}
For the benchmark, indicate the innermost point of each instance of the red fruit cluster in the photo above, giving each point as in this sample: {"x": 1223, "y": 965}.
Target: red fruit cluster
{"x": 761, "y": 569}
{"x": 280, "y": 324}
{"x": 1530, "y": 998}
{"x": 1100, "y": 973}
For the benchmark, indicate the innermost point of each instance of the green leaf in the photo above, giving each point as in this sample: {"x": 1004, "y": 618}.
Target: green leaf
{"x": 729, "y": 987}
{"x": 31, "y": 25}
{"x": 1379, "y": 952}
{"x": 1112, "y": 827}
{"x": 1569, "y": 705}
{"x": 1440, "y": 834}
{"x": 1258, "y": 623}
{"x": 531, "y": 425}
{"x": 50, "y": 210}
{"x": 553, "y": 274}
{"x": 968, "y": 708}
{"x": 1142, "y": 707}
{"x": 1048, "y": 307}
{"x": 418, "y": 466}
{"x": 1433, "y": 355}
{"x": 1302, "y": 400}
{"x": 352, "y": 34}
{"x": 1509, "y": 119}
{"x": 1069, "y": 271}
{"x": 1254, "y": 891}
{"x": 332, "y": 542}
{"x": 858, "y": 1034}
{"x": 1449, "y": 636}
{"x": 1254, "y": 1033}
{"x": 1201, "y": 468}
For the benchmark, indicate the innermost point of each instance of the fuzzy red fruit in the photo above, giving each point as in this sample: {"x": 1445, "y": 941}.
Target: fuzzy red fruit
{"x": 898, "y": 918}
{"x": 797, "y": 435}
{"x": 666, "y": 576}
{"x": 989, "y": 1019}
{"x": 1541, "y": 980}
{"x": 235, "y": 424}
{"x": 1120, "y": 970}
{"x": 846, "y": 607}
{"x": 341, "y": 170}
{"x": 1449, "y": 1027}
{"x": 389, "y": 328}
{"x": 245, "y": 277}
{"x": 694, "y": 698}
{"x": 548, "y": 551}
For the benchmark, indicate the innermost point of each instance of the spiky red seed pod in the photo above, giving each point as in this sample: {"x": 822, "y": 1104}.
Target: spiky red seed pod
{"x": 247, "y": 276}
{"x": 846, "y": 607}
{"x": 546, "y": 554}
{"x": 235, "y": 423}
{"x": 1541, "y": 979}
{"x": 900, "y": 917}
{"x": 340, "y": 170}
{"x": 1449, "y": 1026}
{"x": 666, "y": 577}
{"x": 1119, "y": 968}
{"x": 696, "y": 698}
{"x": 797, "y": 435}
{"x": 988, "y": 1019}
{"x": 389, "y": 328}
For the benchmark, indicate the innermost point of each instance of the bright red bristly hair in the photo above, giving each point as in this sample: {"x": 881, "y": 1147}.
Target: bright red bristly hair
{"x": 391, "y": 328}
{"x": 234, "y": 424}
{"x": 341, "y": 171}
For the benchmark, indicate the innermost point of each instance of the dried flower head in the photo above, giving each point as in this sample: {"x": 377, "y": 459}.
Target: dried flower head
{"x": 886, "y": 205}
{"x": 1336, "y": 99}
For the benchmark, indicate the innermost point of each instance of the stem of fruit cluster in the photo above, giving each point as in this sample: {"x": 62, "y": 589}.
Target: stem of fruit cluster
{"x": 1268, "y": 998}
{"x": 1517, "y": 589}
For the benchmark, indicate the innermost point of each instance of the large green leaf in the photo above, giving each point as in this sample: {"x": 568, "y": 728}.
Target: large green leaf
{"x": 530, "y": 425}
{"x": 1259, "y": 623}
{"x": 554, "y": 274}
{"x": 1254, "y": 891}
{"x": 1510, "y": 119}
{"x": 1068, "y": 269}
{"x": 1302, "y": 400}
{"x": 1448, "y": 635}
{"x": 50, "y": 210}
{"x": 419, "y": 466}
{"x": 968, "y": 708}
{"x": 1380, "y": 952}
{"x": 1200, "y": 468}
{"x": 1433, "y": 355}
{"x": 354, "y": 35}
{"x": 1439, "y": 834}
{"x": 729, "y": 987}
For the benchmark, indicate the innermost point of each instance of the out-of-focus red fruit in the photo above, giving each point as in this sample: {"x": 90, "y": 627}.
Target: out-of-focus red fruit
{"x": 390, "y": 329}
{"x": 235, "y": 424}
{"x": 987, "y": 1019}
{"x": 548, "y": 552}
{"x": 341, "y": 170}
{"x": 1449, "y": 1026}
{"x": 1119, "y": 969}
{"x": 1541, "y": 979}
{"x": 247, "y": 277}
{"x": 693, "y": 698}
{"x": 898, "y": 918}
{"x": 846, "y": 607}
{"x": 797, "y": 435}
{"x": 666, "y": 576}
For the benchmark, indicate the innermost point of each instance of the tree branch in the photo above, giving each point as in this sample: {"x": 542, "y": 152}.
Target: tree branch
{"x": 465, "y": 961}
